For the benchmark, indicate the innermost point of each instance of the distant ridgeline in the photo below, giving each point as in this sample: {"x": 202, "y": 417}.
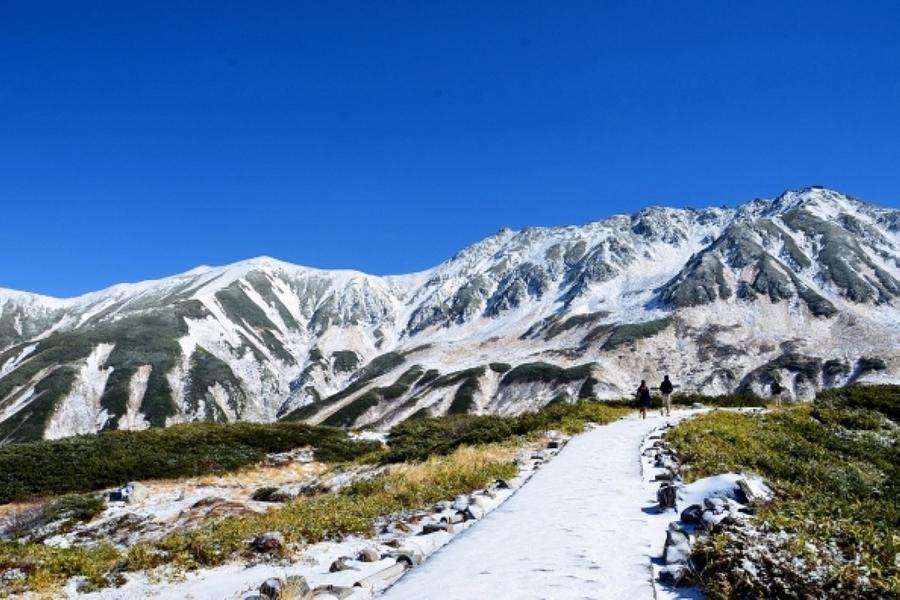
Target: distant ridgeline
{"x": 802, "y": 289}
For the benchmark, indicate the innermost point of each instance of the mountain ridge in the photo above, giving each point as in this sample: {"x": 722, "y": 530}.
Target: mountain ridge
{"x": 263, "y": 339}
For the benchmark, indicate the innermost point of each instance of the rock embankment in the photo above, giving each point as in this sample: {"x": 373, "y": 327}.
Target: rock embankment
{"x": 704, "y": 506}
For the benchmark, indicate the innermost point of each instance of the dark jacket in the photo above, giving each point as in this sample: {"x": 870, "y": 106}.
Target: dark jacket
{"x": 666, "y": 386}
{"x": 644, "y": 397}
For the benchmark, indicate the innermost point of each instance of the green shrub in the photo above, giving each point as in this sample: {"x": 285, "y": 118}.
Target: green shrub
{"x": 345, "y": 361}
{"x": 90, "y": 462}
{"x": 630, "y": 333}
{"x": 464, "y": 398}
{"x": 419, "y": 438}
{"x": 881, "y": 398}
{"x": 546, "y": 373}
{"x": 869, "y": 364}
{"x": 73, "y": 507}
{"x": 745, "y": 400}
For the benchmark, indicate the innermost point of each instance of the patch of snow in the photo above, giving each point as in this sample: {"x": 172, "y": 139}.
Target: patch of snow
{"x": 720, "y": 486}
{"x": 80, "y": 411}
{"x": 133, "y": 418}
{"x": 16, "y": 360}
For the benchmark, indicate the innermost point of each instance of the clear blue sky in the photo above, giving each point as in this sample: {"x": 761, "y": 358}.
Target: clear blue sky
{"x": 138, "y": 140}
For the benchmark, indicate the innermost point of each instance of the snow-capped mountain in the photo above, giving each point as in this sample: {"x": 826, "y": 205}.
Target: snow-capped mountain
{"x": 803, "y": 288}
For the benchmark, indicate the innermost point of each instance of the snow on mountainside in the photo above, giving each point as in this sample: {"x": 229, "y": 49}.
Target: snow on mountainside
{"x": 803, "y": 288}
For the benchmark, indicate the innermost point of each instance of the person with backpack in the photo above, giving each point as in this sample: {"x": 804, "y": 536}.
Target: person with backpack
{"x": 665, "y": 389}
{"x": 643, "y": 398}
{"x": 776, "y": 390}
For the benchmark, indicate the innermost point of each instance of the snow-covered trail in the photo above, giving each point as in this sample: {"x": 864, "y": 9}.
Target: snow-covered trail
{"x": 582, "y": 527}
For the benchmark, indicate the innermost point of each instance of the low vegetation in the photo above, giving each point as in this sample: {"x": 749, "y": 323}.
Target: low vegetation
{"x": 417, "y": 439}
{"x": 629, "y": 333}
{"x": 305, "y": 520}
{"x": 96, "y": 461}
{"x": 836, "y": 466}
{"x": 545, "y": 373}
{"x": 428, "y": 460}
{"x": 722, "y": 401}
{"x": 73, "y": 507}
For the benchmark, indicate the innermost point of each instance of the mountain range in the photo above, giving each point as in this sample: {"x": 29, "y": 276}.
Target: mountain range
{"x": 803, "y": 288}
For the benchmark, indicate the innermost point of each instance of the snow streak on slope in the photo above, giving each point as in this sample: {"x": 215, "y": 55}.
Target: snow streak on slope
{"x": 80, "y": 410}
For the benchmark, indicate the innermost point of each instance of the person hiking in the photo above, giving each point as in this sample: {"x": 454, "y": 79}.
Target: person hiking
{"x": 643, "y": 398}
{"x": 665, "y": 389}
{"x": 776, "y": 390}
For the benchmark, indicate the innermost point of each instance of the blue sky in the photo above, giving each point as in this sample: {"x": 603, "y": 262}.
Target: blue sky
{"x": 138, "y": 140}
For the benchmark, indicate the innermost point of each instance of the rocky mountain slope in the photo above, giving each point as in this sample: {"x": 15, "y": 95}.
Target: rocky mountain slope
{"x": 803, "y": 288}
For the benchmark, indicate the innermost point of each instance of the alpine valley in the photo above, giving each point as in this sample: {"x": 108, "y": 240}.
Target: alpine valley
{"x": 803, "y": 288}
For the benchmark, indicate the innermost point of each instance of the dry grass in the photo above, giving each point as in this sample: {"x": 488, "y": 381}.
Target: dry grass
{"x": 303, "y": 521}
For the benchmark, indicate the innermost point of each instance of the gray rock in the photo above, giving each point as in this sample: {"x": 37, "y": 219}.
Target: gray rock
{"x": 745, "y": 495}
{"x": 430, "y": 528}
{"x": 368, "y": 555}
{"x": 673, "y": 574}
{"x": 454, "y": 518}
{"x": 715, "y": 504}
{"x": 267, "y": 543}
{"x": 411, "y": 558}
{"x": 666, "y": 475}
{"x": 461, "y": 503}
{"x": 297, "y": 588}
{"x": 131, "y": 492}
{"x": 667, "y": 495}
{"x": 692, "y": 515}
{"x": 678, "y": 546}
{"x": 271, "y": 588}
{"x": 340, "y": 564}
{"x": 502, "y": 484}
{"x": 473, "y": 512}
{"x": 710, "y": 519}
{"x": 697, "y": 406}
{"x": 328, "y": 592}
